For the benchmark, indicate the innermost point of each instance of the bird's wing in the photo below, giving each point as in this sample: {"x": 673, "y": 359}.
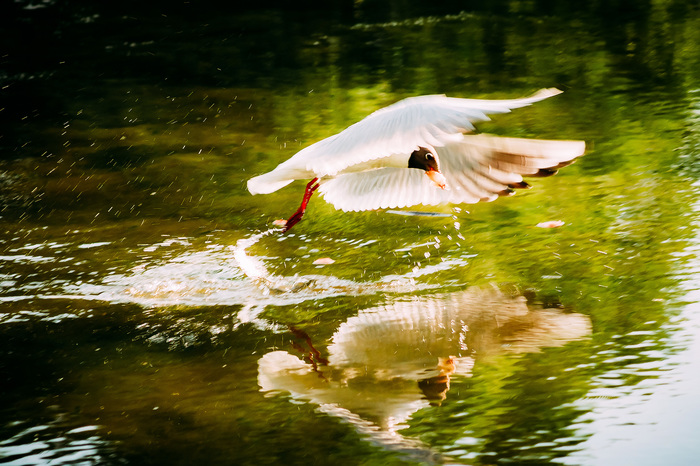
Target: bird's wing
{"x": 479, "y": 168}
{"x": 382, "y": 188}
{"x": 400, "y": 128}
{"x": 484, "y": 167}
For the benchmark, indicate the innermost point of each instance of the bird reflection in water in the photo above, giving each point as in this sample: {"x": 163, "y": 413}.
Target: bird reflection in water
{"x": 387, "y": 362}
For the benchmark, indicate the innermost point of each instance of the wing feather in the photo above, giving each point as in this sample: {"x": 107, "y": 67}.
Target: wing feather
{"x": 478, "y": 168}
{"x": 383, "y": 188}
{"x": 487, "y": 166}
{"x": 400, "y": 128}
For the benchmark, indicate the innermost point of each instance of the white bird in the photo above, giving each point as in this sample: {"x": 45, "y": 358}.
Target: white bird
{"x": 380, "y": 162}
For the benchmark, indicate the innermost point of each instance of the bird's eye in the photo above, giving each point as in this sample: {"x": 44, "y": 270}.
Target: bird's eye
{"x": 430, "y": 156}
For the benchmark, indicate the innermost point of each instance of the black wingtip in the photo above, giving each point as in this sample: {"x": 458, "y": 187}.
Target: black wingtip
{"x": 545, "y": 172}
{"x": 520, "y": 185}
{"x": 506, "y": 192}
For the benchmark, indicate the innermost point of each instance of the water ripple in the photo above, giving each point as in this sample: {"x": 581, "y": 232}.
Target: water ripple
{"x": 50, "y": 444}
{"x": 219, "y": 275}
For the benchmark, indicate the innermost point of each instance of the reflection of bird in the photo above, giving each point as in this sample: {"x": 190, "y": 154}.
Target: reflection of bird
{"x": 386, "y": 363}
{"x": 405, "y": 338}
{"x": 379, "y": 162}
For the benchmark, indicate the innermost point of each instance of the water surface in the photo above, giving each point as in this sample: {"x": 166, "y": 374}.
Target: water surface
{"x": 151, "y": 313}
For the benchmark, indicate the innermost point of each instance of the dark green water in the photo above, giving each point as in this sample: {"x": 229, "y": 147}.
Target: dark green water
{"x": 148, "y": 315}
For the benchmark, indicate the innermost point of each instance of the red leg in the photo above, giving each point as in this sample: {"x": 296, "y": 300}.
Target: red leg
{"x": 313, "y": 356}
{"x": 294, "y": 219}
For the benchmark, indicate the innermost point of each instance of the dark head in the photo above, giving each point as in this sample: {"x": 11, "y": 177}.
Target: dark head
{"x": 423, "y": 159}
{"x": 427, "y": 160}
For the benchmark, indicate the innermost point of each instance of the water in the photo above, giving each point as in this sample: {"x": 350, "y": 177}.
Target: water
{"x": 151, "y": 312}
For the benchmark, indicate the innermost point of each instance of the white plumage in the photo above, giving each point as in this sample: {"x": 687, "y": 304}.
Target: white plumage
{"x": 365, "y": 166}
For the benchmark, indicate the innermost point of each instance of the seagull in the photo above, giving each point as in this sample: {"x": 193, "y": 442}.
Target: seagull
{"x": 420, "y": 151}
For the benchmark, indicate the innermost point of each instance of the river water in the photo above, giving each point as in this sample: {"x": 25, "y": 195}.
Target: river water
{"x": 151, "y": 312}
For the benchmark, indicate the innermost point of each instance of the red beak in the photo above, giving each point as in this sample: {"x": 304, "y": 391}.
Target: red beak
{"x": 437, "y": 178}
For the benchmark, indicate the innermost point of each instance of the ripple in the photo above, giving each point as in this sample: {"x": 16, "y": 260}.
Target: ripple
{"x": 50, "y": 444}
{"x": 219, "y": 275}
{"x": 24, "y": 258}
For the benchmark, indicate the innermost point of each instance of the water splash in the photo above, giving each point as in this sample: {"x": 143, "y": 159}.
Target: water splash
{"x": 180, "y": 271}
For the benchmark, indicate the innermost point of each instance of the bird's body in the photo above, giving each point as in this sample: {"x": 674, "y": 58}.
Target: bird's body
{"x": 380, "y": 162}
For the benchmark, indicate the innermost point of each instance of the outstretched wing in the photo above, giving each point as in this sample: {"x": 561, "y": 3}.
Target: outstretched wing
{"x": 479, "y": 168}
{"x": 382, "y": 188}
{"x": 484, "y": 167}
{"x": 401, "y": 128}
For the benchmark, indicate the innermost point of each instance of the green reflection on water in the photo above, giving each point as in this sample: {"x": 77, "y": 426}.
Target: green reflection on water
{"x": 136, "y": 155}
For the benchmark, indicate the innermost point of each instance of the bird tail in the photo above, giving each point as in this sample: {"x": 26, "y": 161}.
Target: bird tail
{"x": 268, "y": 183}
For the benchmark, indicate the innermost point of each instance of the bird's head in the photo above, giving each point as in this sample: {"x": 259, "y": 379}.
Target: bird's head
{"x": 427, "y": 160}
